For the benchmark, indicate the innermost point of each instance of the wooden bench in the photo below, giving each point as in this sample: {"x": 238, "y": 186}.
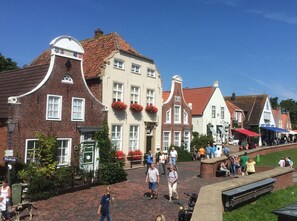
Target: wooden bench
{"x": 240, "y": 195}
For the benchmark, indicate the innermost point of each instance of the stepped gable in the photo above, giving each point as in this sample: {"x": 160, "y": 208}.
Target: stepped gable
{"x": 252, "y": 105}
{"x": 97, "y": 50}
{"x": 18, "y": 82}
{"x": 199, "y": 97}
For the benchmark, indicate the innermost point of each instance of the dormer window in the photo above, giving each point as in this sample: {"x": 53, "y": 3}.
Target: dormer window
{"x": 67, "y": 79}
{"x": 117, "y": 63}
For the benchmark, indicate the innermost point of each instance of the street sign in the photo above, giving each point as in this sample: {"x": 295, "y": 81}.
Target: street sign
{"x": 8, "y": 153}
{"x": 10, "y": 159}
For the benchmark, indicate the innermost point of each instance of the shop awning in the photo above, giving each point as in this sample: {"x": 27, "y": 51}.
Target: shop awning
{"x": 246, "y": 132}
{"x": 223, "y": 131}
{"x": 276, "y": 129}
{"x": 212, "y": 131}
{"x": 293, "y": 132}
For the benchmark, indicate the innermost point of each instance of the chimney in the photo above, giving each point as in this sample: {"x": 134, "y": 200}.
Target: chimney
{"x": 233, "y": 98}
{"x": 216, "y": 84}
{"x": 98, "y": 33}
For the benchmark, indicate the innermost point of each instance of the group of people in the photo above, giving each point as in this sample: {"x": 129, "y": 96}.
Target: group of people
{"x": 238, "y": 165}
{"x": 285, "y": 162}
{"x": 210, "y": 151}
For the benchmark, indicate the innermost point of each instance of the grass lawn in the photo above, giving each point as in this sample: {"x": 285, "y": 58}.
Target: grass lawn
{"x": 261, "y": 210}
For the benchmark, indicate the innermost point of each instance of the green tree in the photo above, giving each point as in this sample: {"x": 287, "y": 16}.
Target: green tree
{"x": 274, "y": 102}
{"x": 7, "y": 64}
{"x": 201, "y": 141}
{"x": 291, "y": 106}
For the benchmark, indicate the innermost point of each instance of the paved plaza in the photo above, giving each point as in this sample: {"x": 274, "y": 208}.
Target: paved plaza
{"x": 130, "y": 202}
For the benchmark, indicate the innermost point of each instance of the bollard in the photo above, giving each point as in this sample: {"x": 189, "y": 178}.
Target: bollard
{"x": 258, "y": 158}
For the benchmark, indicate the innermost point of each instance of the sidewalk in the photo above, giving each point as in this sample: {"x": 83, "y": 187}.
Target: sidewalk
{"x": 130, "y": 202}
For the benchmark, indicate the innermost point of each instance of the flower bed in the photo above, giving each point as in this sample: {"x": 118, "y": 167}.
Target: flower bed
{"x": 134, "y": 155}
{"x": 151, "y": 109}
{"x": 119, "y": 105}
{"x": 136, "y": 107}
{"x": 120, "y": 155}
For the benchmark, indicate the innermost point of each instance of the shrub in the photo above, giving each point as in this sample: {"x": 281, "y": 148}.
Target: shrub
{"x": 110, "y": 173}
{"x": 201, "y": 141}
{"x": 183, "y": 155}
{"x": 151, "y": 109}
{"x": 120, "y": 155}
{"x": 119, "y": 105}
{"x": 136, "y": 107}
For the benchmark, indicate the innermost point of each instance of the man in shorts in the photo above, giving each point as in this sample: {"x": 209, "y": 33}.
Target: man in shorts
{"x": 153, "y": 178}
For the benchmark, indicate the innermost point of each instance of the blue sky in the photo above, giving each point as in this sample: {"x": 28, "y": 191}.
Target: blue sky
{"x": 249, "y": 46}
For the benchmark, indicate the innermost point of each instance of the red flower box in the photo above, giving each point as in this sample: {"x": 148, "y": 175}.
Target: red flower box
{"x": 119, "y": 105}
{"x": 120, "y": 155}
{"x": 136, "y": 107}
{"x": 151, "y": 109}
{"x": 134, "y": 155}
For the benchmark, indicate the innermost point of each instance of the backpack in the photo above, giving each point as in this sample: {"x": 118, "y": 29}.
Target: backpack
{"x": 287, "y": 163}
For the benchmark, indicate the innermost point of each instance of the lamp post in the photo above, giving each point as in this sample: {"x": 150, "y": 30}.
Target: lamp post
{"x": 10, "y": 126}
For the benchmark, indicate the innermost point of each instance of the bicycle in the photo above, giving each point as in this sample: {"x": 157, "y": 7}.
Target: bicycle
{"x": 185, "y": 213}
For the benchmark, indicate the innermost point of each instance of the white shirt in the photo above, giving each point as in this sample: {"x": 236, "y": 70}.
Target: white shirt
{"x": 173, "y": 153}
{"x": 162, "y": 158}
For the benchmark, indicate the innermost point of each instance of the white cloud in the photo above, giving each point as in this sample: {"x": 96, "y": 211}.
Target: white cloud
{"x": 278, "y": 16}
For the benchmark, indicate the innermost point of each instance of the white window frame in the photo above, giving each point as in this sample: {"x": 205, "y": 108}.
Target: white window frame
{"x": 119, "y": 64}
{"x": 175, "y": 141}
{"x": 116, "y": 136}
{"x": 117, "y": 91}
{"x": 186, "y": 117}
{"x": 150, "y": 97}
{"x": 65, "y": 155}
{"x": 168, "y": 116}
{"x": 135, "y": 94}
{"x": 166, "y": 142}
{"x": 187, "y": 135}
{"x": 78, "y": 111}
{"x": 213, "y": 111}
{"x": 135, "y": 68}
{"x": 67, "y": 79}
{"x": 33, "y": 157}
{"x": 151, "y": 73}
{"x": 177, "y": 114}
{"x": 134, "y": 137}
{"x": 52, "y": 108}
{"x": 222, "y": 112}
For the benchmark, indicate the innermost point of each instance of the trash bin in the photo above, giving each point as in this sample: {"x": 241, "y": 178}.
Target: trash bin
{"x": 258, "y": 158}
{"x": 18, "y": 192}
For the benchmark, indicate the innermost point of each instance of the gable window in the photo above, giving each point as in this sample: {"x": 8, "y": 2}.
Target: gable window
{"x": 177, "y": 98}
{"x": 63, "y": 153}
{"x": 67, "y": 79}
{"x": 116, "y": 137}
{"x": 117, "y": 92}
{"x": 168, "y": 116}
{"x": 78, "y": 109}
{"x": 186, "y": 118}
{"x": 166, "y": 140}
{"x": 177, "y": 114}
{"x": 53, "y": 107}
{"x": 176, "y": 138}
{"x": 150, "y": 94}
{"x": 30, "y": 156}
{"x": 213, "y": 111}
{"x": 187, "y": 139}
{"x": 135, "y": 68}
{"x": 267, "y": 106}
{"x": 134, "y": 138}
{"x": 135, "y": 95}
{"x": 117, "y": 63}
{"x": 151, "y": 73}
{"x": 222, "y": 112}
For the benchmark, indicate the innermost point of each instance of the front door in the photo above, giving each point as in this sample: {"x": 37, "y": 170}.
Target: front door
{"x": 148, "y": 143}
{"x": 87, "y": 158}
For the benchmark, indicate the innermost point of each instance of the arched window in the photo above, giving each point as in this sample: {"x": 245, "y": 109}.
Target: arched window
{"x": 67, "y": 79}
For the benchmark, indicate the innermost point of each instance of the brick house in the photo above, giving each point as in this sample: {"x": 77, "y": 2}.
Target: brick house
{"x": 176, "y": 117}
{"x": 116, "y": 72}
{"x": 52, "y": 99}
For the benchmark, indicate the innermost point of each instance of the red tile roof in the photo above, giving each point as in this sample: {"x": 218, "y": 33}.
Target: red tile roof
{"x": 97, "y": 50}
{"x": 199, "y": 97}
{"x": 232, "y": 107}
{"x": 165, "y": 95}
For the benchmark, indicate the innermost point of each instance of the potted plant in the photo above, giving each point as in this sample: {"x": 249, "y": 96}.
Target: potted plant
{"x": 118, "y": 105}
{"x": 134, "y": 155}
{"x": 120, "y": 155}
{"x": 151, "y": 109}
{"x": 136, "y": 107}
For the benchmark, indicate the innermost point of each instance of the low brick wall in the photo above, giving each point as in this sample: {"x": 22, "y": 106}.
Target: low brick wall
{"x": 209, "y": 166}
{"x": 209, "y": 205}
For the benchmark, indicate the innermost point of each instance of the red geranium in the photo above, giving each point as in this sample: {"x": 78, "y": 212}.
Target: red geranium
{"x": 134, "y": 155}
{"x": 120, "y": 155}
{"x": 119, "y": 105}
{"x": 136, "y": 107}
{"x": 151, "y": 109}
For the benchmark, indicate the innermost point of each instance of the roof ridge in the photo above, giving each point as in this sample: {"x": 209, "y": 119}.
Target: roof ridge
{"x": 185, "y": 88}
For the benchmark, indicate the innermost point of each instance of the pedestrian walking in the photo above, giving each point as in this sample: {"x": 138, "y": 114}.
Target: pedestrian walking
{"x": 153, "y": 178}
{"x": 149, "y": 160}
{"x": 103, "y": 209}
{"x": 173, "y": 157}
{"x": 5, "y": 194}
{"x": 172, "y": 182}
{"x": 243, "y": 160}
{"x": 162, "y": 161}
